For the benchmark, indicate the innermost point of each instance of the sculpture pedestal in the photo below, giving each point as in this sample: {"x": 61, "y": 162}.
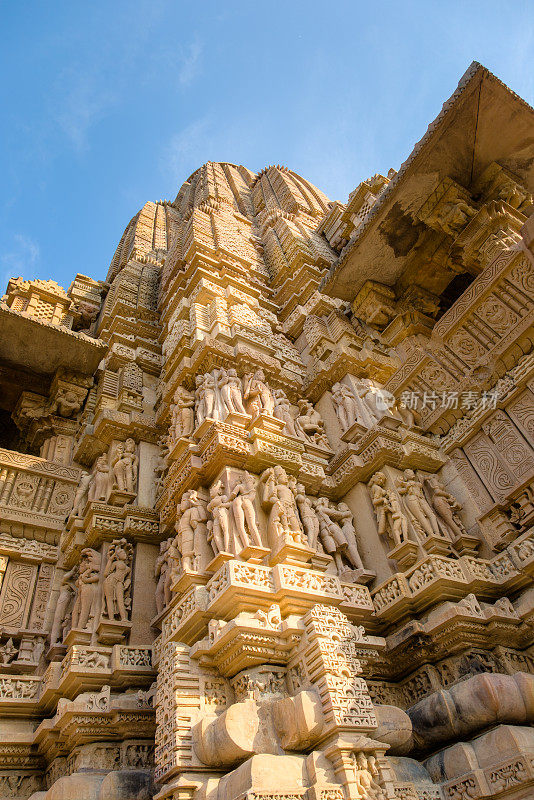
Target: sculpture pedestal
{"x": 77, "y": 636}
{"x": 466, "y": 545}
{"x": 253, "y": 553}
{"x": 438, "y": 545}
{"x": 186, "y": 579}
{"x": 112, "y": 631}
{"x": 217, "y": 562}
{"x": 354, "y": 433}
{"x": 405, "y": 554}
{"x": 292, "y": 553}
{"x": 120, "y": 498}
{"x": 364, "y": 576}
{"x": 57, "y": 652}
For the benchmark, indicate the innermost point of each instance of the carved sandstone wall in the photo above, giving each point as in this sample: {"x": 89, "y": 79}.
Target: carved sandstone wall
{"x": 267, "y": 492}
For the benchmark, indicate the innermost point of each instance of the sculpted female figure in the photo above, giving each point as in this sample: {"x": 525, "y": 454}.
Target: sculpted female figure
{"x": 310, "y": 521}
{"x": 282, "y": 411}
{"x": 280, "y": 500}
{"x": 116, "y": 580}
{"x": 390, "y": 518}
{"x": 417, "y": 505}
{"x": 81, "y": 496}
{"x": 259, "y": 396}
{"x": 66, "y": 593}
{"x": 219, "y": 507}
{"x": 98, "y": 489}
{"x": 86, "y": 587}
{"x": 161, "y": 568}
{"x": 125, "y": 466}
{"x": 444, "y": 504}
{"x": 231, "y": 391}
{"x": 183, "y": 415}
{"x": 242, "y": 498}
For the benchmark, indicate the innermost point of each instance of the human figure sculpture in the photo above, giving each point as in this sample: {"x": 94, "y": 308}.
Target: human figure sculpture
{"x": 350, "y": 408}
{"x": 66, "y": 404}
{"x": 182, "y": 413}
{"x": 117, "y": 580}
{"x": 390, "y": 517}
{"x": 310, "y": 521}
{"x": 98, "y": 490}
{"x": 258, "y": 395}
{"x": 231, "y": 392}
{"x": 193, "y": 514}
{"x": 160, "y": 465}
{"x": 220, "y": 508}
{"x": 161, "y": 569}
{"x": 65, "y": 597}
{"x": 125, "y": 467}
{"x": 337, "y": 539}
{"x": 174, "y": 563}
{"x": 86, "y": 588}
{"x": 210, "y": 396}
{"x": 367, "y": 776}
{"x": 200, "y": 400}
{"x": 309, "y": 424}
{"x": 417, "y": 505}
{"x": 378, "y": 401}
{"x": 243, "y": 497}
{"x": 445, "y": 506}
{"x": 81, "y": 496}
{"x": 282, "y": 411}
{"x": 279, "y": 500}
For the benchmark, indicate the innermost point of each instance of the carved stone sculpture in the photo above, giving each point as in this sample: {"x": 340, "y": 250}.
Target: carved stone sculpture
{"x": 220, "y": 507}
{"x": 86, "y": 588}
{"x": 182, "y": 413}
{"x": 309, "y": 424}
{"x": 193, "y": 515}
{"x": 350, "y": 408}
{"x": 282, "y": 411}
{"x": 308, "y": 515}
{"x": 65, "y": 597}
{"x": 99, "y": 487}
{"x": 257, "y": 394}
{"x": 390, "y": 517}
{"x": 117, "y": 580}
{"x": 231, "y": 391}
{"x": 279, "y": 500}
{"x": 82, "y": 494}
{"x": 446, "y": 507}
{"x": 417, "y": 505}
{"x": 161, "y": 569}
{"x": 125, "y": 467}
{"x": 336, "y": 532}
{"x": 242, "y": 498}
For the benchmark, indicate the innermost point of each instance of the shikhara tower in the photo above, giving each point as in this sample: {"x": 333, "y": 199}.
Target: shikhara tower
{"x": 266, "y": 493}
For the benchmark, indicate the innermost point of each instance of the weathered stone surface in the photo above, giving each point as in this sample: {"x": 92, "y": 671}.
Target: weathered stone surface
{"x": 266, "y": 493}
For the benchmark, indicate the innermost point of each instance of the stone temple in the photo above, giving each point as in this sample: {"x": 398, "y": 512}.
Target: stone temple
{"x": 267, "y": 491}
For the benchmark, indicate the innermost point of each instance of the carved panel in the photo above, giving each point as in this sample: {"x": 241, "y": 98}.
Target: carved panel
{"x": 17, "y": 592}
{"x": 494, "y": 474}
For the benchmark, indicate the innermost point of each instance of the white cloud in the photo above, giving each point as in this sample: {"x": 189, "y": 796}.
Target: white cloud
{"x": 21, "y": 259}
{"x": 81, "y": 106}
{"x": 187, "y": 150}
{"x": 190, "y": 66}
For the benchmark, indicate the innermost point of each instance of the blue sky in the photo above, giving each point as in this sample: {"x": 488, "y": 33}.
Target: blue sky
{"x": 106, "y": 105}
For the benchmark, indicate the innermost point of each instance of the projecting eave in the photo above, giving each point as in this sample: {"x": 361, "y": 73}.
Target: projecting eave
{"x": 482, "y": 122}
{"x": 42, "y": 347}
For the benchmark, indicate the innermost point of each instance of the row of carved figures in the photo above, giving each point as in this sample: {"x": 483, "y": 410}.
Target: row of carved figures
{"x": 120, "y": 475}
{"x": 430, "y": 509}
{"x": 228, "y": 519}
{"x": 366, "y": 404}
{"x": 221, "y": 392}
{"x": 82, "y": 591}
